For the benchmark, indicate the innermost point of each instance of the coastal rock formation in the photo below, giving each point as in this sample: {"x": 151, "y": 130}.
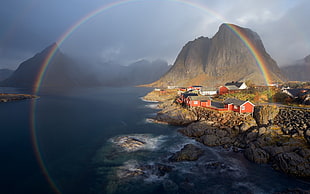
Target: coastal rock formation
{"x": 220, "y": 59}
{"x": 208, "y": 135}
{"x": 274, "y": 135}
{"x": 129, "y": 143}
{"x": 265, "y": 114}
{"x": 188, "y": 153}
{"x": 176, "y": 115}
{"x": 294, "y": 122}
{"x": 15, "y": 97}
{"x": 286, "y": 154}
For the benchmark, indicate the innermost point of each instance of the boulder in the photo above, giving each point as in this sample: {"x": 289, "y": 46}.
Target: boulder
{"x": 188, "y": 153}
{"x": 129, "y": 143}
{"x": 176, "y": 115}
{"x": 293, "y": 164}
{"x": 256, "y": 154}
{"x": 265, "y": 114}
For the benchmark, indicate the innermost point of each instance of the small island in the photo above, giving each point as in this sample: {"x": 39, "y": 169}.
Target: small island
{"x": 274, "y": 134}
{"x": 4, "y": 97}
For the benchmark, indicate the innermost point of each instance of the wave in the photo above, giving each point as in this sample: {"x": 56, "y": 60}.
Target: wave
{"x": 134, "y": 142}
{"x": 152, "y": 106}
{"x": 148, "y": 100}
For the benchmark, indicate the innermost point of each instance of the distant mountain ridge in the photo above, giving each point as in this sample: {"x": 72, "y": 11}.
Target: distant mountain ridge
{"x": 222, "y": 58}
{"x": 59, "y": 72}
{"x": 63, "y": 71}
{"x": 5, "y": 73}
{"x": 299, "y": 70}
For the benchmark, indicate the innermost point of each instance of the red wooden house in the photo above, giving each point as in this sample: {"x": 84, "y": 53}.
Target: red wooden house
{"x": 198, "y": 101}
{"x": 239, "y": 105}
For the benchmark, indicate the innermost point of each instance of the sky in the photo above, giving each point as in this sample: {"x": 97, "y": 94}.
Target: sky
{"x": 99, "y": 31}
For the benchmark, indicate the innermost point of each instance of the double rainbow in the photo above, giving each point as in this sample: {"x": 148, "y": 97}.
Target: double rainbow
{"x": 248, "y": 43}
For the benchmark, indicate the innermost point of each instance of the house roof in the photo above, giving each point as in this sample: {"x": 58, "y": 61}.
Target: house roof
{"x": 232, "y": 87}
{"x": 200, "y": 98}
{"x": 235, "y": 101}
{"x": 297, "y": 92}
{"x": 185, "y": 95}
{"x": 237, "y": 84}
{"x": 208, "y": 89}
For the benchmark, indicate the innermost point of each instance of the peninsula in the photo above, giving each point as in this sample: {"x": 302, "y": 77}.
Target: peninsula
{"x": 274, "y": 135}
{"x": 4, "y": 97}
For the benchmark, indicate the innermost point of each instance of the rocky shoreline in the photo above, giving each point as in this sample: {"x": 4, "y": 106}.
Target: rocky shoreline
{"x": 276, "y": 136}
{"x": 15, "y": 97}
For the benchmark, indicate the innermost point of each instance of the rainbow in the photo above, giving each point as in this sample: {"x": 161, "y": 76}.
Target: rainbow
{"x": 93, "y": 14}
{"x": 253, "y": 50}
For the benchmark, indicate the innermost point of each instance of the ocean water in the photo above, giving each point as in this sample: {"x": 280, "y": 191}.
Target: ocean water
{"x": 67, "y": 141}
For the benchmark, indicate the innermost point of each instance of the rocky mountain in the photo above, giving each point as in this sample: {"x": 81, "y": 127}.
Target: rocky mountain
{"x": 222, "y": 58}
{"x": 61, "y": 71}
{"x": 298, "y": 71}
{"x": 5, "y": 73}
{"x": 64, "y": 71}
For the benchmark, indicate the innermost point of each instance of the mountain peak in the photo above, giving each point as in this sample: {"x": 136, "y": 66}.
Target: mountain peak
{"x": 53, "y": 47}
{"x": 222, "y": 58}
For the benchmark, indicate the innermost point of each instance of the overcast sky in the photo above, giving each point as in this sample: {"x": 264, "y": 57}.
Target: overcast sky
{"x": 146, "y": 29}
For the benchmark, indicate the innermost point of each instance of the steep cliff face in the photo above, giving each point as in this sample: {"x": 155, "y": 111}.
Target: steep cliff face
{"x": 223, "y": 58}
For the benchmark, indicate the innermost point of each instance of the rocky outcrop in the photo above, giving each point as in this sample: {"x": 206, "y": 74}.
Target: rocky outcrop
{"x": 220, "y": 59}
{"x": 273, "y": 135}
{"x": 265, "y": 114}
{"x": 176, "y": 115}
{"x": 210, "y": 136}
{"x": 15, "y": 97}
{"x": 262, "y": 144}
{"x": 294, "y": 122}
{"x": 188, "y": 153}
{"x": 129, "y": 143}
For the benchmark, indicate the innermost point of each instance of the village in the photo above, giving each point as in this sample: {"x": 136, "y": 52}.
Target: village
{"x": 198, "y": 96}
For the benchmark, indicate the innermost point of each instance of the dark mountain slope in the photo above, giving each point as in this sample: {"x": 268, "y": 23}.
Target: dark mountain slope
{"x": 221, "y": 59}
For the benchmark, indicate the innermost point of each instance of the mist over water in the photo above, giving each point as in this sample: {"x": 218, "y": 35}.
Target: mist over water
{"x": 79, "y": 132}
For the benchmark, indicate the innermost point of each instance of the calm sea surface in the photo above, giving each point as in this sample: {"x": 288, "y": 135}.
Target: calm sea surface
{"x": 66, "y": 142}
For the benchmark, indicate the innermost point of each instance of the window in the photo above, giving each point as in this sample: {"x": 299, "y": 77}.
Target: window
{"x": 195, "y": 102}
{"x": 242, "y": 107}
{"x": 235, "y": 107}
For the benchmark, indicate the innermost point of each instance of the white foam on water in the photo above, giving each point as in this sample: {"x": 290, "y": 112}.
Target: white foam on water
{"x": 152, "y": 106}
{"x": 148, "y": 100}
{"x": 151, "y": 178}
{"x": 144, "y": 142}
{"x": 150, "y": 120}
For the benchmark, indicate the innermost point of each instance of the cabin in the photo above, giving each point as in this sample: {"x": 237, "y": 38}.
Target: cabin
{"x": 227, "y": 90}
{"x": 198, "y": 101}
{"x": 240, "y": 106}
{"x": 231, "y": 87}
{"x": 296, "y": 93}
{"x": 184, "y": 97}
